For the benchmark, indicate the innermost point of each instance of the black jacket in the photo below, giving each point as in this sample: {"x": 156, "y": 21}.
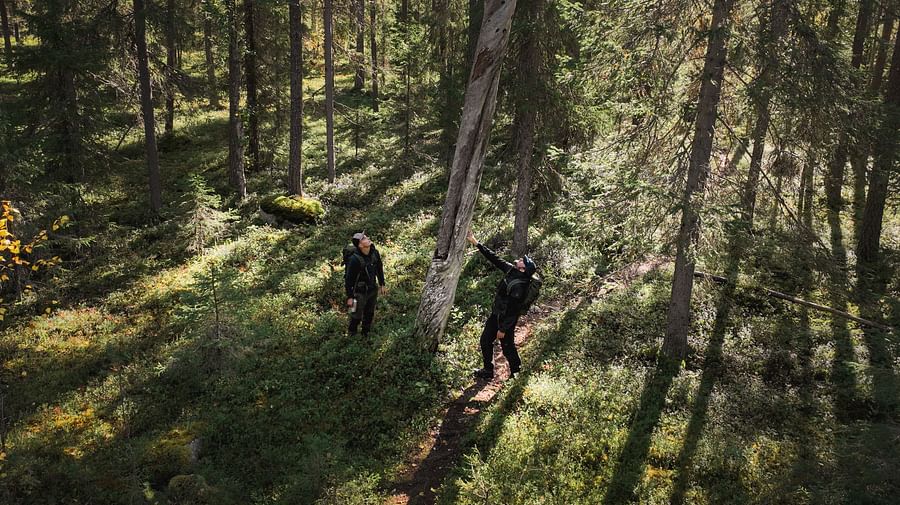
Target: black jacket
{"x": 363, "y": 271}
{"x": 509, "y": 296}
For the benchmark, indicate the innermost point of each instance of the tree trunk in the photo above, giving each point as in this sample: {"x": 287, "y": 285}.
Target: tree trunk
{"x": 212, "y": 88}
{"x": 140, "y": 36}
{"x": 359, "y": 81}
{"x": 834, "y": 17}
{"x": 329, "y": 91}
{"x": 374, "y": 50}
{"x": 678, "y": 318}
{"x": 834, "y": 179}
{"x": 252, "y": 87}
{"x": 529, "y": 97}
{"x": 171, "y": 57}
{"x": 235, "y": 127}
{"x": 4, "y": 18}
{"x": 867, "y": 250}
{"x": 887, "y": 29}
{"x": 295, "y": 166}
{"x": 770, "y": 35}
{"x": 860, "y": 160}
{"x": 524, "y": 152}
{"x": 465, "y": 174}
{"x": 69, "y": 127}
{"x": 476, "y": 12}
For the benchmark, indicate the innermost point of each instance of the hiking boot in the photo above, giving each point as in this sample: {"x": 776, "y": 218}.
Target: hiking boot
{"x": 483, "y": 373}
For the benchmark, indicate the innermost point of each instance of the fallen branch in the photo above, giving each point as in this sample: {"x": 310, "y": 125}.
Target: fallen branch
{"x": 792, "y": 299}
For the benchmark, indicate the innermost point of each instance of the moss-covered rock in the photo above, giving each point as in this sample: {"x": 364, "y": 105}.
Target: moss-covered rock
{"x": 190, "y": 489}
{"x": 296, "y": 209}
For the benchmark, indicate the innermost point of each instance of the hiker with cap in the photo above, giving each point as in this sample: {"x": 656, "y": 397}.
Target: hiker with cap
{"x": 509, "y": 301}
{"x": 363, "y": 281}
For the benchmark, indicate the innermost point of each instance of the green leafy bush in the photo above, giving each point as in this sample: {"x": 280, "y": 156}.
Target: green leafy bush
{"x": 296, "y": 209}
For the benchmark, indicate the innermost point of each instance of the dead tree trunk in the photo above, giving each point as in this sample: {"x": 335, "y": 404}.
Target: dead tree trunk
{"x": 140, "y": 36}
{"x": 465, "y": 173}
{"x": 329, "y": 91}
{"x": 235, "y": 127}
{"x": 679, "y": 314}
{"x": 295, "y": 165}
{"x": 867, "y": 250}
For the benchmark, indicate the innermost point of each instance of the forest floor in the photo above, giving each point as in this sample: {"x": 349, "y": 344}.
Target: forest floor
{"x": 131, "y": 390}
{"x": 426, "y": 469}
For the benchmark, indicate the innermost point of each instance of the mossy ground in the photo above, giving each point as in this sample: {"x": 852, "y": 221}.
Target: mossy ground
{"x": 102, "y": 397}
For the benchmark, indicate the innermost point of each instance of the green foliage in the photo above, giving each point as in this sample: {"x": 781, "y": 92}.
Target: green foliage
{"x": 296, "y": 209}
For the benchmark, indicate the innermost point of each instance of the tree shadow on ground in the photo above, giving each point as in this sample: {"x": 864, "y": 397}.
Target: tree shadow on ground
{"x": 712, "y": 369}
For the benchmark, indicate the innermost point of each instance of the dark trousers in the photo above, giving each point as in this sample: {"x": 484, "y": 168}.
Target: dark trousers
{"x": 507, "y": 344}
{"x": 365, "y": 311}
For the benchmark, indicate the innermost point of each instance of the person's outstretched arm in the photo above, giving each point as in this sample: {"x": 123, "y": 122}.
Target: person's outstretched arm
{"x": 504, "y": 266}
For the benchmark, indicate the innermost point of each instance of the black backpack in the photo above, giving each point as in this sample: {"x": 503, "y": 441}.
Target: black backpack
{"x": 347, "y": 253}
{"x": 534, "y": 290}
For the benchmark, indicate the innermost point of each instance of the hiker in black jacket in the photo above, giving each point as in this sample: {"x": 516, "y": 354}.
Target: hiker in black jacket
{"x": 363, "y": 281}
{"x": 508, "y": 299}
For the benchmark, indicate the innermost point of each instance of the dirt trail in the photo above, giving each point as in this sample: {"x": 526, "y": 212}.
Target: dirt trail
{"x": 425, "y": 470}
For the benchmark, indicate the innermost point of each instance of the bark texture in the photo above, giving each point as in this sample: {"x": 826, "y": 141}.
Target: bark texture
{"x": 373, "y": 9}
{"x": 252, "y": 84}
{"x": 140, "y": 36}
{"x": 295, "y": 164}
{"x": 465, "y": 173}
{"x": 678, "y": 318}
{"x": 867, "y": 251}
{"x": 329, "y": 90}
{"x": 235, "y": 126}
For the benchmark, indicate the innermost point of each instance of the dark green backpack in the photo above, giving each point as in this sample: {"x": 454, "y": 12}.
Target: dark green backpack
{"x": 531, "y": 294}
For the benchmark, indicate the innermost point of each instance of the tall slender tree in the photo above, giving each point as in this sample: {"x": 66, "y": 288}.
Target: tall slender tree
{"x": 359, "y": 58}
{"x": 860, "y": 160}
{"x": 329, "y": 90}
{"x": 834, "y": 179}
{"x": 774, "y": 25}
{"x": 678, "y": 319}
{"x": 4, "y": 18}
{"x": 295, "y": 164}
{"x": 140, "y": 37}
{"x": 373, "y": 50}
{"x": 171, "y": 63}
{"x": 212, "y": 87}
{"x": 529, "y": 68}
{"x": 867, "y": 250}
{"x": 251, "y": 69}
{"x": 235, "y": 127}
{"x": 465, "y": 173}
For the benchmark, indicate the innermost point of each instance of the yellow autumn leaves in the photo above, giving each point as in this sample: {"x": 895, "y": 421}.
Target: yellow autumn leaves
{"x": 13, "y": 253}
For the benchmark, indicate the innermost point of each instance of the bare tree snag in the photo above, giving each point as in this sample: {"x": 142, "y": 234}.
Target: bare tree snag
{"x": 465, "y": 173}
